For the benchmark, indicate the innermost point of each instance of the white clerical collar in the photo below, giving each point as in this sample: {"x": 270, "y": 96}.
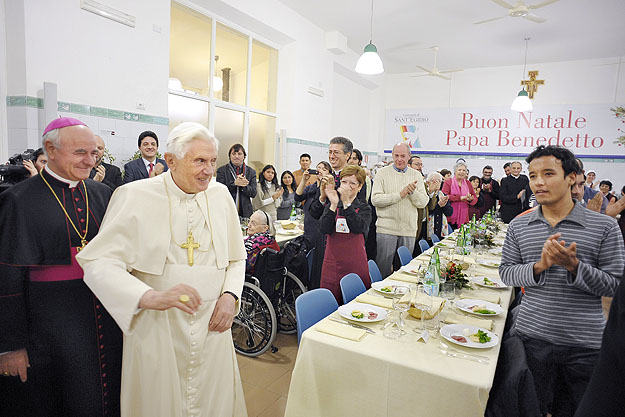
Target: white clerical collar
{"x": 147, "y": 163}
{"x": 175, "y": 190}
{"x": 72, "y": 184}
{"x": 516, "y": 177}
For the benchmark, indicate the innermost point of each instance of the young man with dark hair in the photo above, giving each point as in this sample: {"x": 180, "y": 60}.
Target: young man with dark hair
{"x": 148, "y": 165}
{"x": 304, "y": 163}
{"x": 567, "y": 257}
{"x": 240, "y": 180}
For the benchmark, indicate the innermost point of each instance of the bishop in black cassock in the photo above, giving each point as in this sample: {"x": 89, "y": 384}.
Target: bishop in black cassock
{"x": 73, "y": 345}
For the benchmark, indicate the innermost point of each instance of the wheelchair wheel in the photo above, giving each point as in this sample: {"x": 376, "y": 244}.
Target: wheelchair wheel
{"x": 255, "y": 326}
{"x": 285, "y": 303}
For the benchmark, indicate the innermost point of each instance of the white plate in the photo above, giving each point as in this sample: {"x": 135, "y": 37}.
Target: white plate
{"x": 388, "y": 284}
{"x": 466, "y": 304}
{"x": 289, "y": 232}
{"x": 346, "y": 311}
{"x": 457, "y": 330}
{"x": 480, "y": 281}
{"x": 495, "y": 251}
{"x": 489, "y": 263}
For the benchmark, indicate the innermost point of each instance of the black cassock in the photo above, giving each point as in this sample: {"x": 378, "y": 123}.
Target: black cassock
{"x": 73, "y": 345}
{"x": 511, "y": 206}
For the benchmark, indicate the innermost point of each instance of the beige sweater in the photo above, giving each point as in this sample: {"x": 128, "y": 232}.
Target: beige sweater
{"x": 397, "y": 216}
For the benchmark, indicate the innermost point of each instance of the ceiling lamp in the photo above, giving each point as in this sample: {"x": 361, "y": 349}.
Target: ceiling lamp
{"x": 522, "y": 102}
{"x": 369, "y": 62}
{"x": 218, "y": 83}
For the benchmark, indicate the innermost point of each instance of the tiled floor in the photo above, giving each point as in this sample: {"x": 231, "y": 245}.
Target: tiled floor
{"x": 266, "y": 378}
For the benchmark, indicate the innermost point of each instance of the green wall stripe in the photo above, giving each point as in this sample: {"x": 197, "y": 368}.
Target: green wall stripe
{"x": 63, "y": 106}
{"x": 319, "y": 144}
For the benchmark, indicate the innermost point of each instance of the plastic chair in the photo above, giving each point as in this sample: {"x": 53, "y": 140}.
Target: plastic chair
{"x": 351, "y": 287}
{"x": 435, "y": 239}
{"x": 311, "y": 307}
{"x": 404, "y": 255}
{"x": 423, "y": 244}
{"x": 450, "y": 229}
{"x": 374, "y": 271}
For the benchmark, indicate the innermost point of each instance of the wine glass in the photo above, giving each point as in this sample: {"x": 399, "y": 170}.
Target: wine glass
{"x": 401, "y": 303}
{"x": 423, "y": 302}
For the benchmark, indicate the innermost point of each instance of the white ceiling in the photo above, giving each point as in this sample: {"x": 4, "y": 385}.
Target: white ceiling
{"x": 404, "y": 29}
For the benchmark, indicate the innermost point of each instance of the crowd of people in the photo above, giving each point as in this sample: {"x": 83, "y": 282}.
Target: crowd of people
{"x": 119, "y": 272}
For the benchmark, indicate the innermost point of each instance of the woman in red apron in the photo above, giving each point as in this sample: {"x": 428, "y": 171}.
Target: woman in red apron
{"x": 345, "y": 222}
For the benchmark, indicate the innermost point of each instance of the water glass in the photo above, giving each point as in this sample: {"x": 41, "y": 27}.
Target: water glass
{"x": 423, "y": 302}
{"x": 391, "y": 329}
{"x": 401, "y": 303}
{"x": 448, "y": 290}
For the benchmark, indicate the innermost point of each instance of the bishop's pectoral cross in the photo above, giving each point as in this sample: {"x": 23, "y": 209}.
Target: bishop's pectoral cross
{"x": 190, "y": 245}
{"x": 532, "y": 84}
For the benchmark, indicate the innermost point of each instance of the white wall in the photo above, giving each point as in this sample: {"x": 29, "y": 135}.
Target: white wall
{"x": 4, "y": 152}
{"x": 572, "y": 82}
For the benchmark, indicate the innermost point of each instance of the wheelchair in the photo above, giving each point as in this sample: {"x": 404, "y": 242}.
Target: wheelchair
{"x": 267, "y": 305}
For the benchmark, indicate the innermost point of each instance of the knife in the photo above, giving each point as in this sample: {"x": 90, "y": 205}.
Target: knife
{"x": 357, "y": 326}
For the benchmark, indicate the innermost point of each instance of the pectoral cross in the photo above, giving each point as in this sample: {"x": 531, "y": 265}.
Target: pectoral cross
{"x": 532, "y": 84}
{"x": 190, "y": 245}
{"x": 83, "y": 243}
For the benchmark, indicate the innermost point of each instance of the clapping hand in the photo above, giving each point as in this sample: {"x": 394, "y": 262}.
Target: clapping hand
{"x": 332, "y": 194}
{"x": 442, "y": 201}
{"x": 520, "y": 194}
{"x": 100, "y": 173}
{"x": 596, "y": 203}
{"x": 408, "y": 189}
{"x": 28, "y": 164}
{"x": 469, "y": 197}
{"x": 560, "y": 254}
{"x": 241, "y": 181}
{"x": 277, "y": 194}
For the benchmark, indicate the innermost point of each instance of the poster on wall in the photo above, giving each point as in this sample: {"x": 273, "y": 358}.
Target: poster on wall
{"x": 586, "y": 129}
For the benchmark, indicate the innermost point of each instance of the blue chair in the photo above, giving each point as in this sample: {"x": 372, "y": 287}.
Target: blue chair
{"x": 435, "y": 239}
{"x": 450, "y": 229}
{"x": 309, "y": 259}
{"x": 311, "y": 307}
{"x": 405, "y": 256}
{"x": 351, "y": 287}
{"x": 423, "y": 245}
{"x": 374, "y": 271}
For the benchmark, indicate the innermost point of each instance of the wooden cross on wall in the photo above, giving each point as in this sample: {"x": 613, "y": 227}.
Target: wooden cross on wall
{"x": 532, "y": 84}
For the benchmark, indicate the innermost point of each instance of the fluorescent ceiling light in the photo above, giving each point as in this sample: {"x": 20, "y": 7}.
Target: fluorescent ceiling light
{"x": 107, "y": 12}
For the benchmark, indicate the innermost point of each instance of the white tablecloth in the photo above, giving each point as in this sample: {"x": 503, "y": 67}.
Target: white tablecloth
{"x": 382, "y": 377}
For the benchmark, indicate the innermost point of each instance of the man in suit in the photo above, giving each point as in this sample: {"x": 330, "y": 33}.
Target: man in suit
{"x": 240, "y": 180}
{"x": 148, "y": 165}
{"x": 102, "y": 172}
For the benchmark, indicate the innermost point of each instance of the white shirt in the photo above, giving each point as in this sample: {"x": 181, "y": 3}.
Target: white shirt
{"x": 147, "y": 164}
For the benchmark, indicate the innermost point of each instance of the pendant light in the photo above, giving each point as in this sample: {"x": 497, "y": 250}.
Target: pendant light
{"x": 369, "y": 62}
{"x": 218, "y": 83}
{"x": 522, "y": 102}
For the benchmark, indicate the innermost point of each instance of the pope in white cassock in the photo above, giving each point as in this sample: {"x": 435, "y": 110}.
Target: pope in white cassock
{"x": 168, "y": 264}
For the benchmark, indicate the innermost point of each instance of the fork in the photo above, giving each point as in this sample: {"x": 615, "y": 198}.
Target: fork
{"x": 446, "y": 347}
{"x": 463, "y": 356}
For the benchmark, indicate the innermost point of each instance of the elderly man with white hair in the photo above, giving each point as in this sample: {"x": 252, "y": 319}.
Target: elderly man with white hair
{"x": 398, "y": 191}
{"x": 169, "y": 265}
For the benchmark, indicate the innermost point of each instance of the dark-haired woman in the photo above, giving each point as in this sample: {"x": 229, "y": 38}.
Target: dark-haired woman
{"x": 269, "y": 194}
{"x": 287, "y": 181}
{"x": 476, "y": 183}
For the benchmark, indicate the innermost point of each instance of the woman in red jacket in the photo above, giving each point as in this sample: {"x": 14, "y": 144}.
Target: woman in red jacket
{"x": 461, "y": 195}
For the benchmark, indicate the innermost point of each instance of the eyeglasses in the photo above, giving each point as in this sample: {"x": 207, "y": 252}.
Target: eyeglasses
{"x": 336, "y": 152}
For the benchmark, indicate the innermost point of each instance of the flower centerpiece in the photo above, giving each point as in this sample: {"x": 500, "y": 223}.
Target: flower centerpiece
{"x": 453, "y": 272}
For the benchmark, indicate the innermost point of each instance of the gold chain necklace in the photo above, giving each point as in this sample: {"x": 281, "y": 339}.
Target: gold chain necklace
{"x": 83, "y": 238}
{"x": 190, "y": 245}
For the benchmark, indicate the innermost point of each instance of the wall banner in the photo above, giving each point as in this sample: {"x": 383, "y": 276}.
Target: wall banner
{"x": 586, "y": 129}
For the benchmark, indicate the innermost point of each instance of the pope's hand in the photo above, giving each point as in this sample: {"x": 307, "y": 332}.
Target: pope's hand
{"x": 14, "y": 364}
{"x": 223, "y": 315}
{"x": 164, "y": 300}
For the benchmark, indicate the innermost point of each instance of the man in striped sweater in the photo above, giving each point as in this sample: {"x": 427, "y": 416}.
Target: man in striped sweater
{"x": 398, "y": 191}
{"x": 567, "y": 257}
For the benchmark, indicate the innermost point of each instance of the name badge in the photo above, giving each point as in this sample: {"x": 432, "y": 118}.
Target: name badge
{"x": 341, "y": 226}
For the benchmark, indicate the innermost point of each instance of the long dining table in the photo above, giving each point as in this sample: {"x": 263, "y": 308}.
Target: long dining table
{"x": 377, "y": 376}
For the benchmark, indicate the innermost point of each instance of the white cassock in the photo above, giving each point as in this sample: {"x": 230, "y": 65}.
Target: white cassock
{"x": 172, "y": 365}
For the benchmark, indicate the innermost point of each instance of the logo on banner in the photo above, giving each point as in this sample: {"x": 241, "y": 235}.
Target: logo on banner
{"x": 410, "y": 135}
